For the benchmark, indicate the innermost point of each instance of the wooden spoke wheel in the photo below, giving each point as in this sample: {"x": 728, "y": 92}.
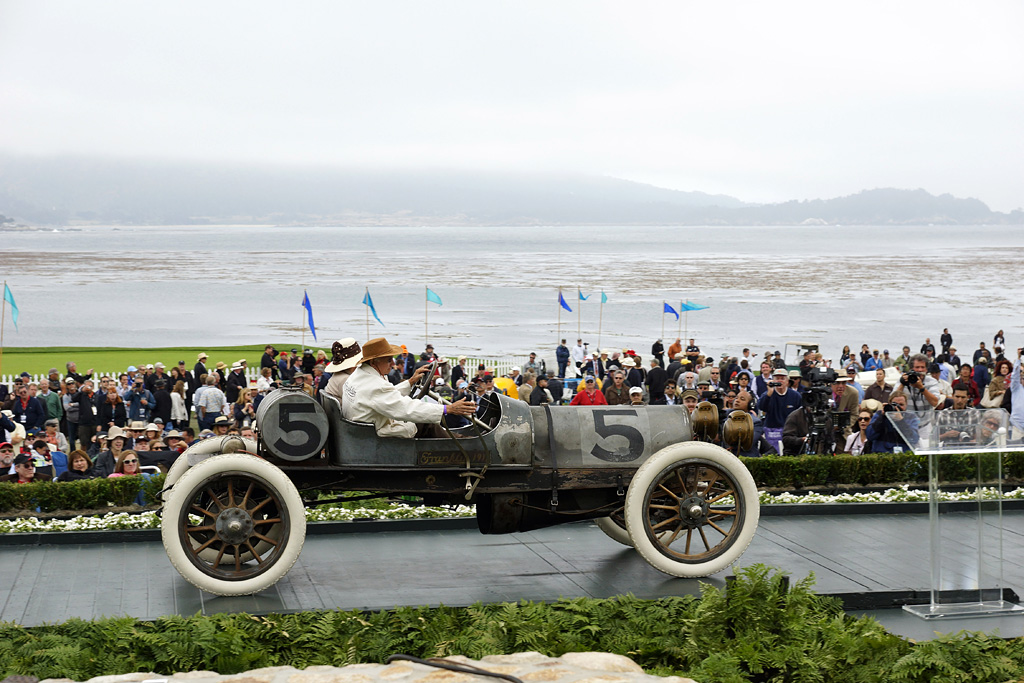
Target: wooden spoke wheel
{"x": 691, "y": 509}
{"x": 233, "y": 524}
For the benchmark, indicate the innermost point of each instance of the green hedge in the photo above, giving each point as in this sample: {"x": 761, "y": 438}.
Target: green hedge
{"x": 91, "y": 494}
{"x": 876, "y": 469}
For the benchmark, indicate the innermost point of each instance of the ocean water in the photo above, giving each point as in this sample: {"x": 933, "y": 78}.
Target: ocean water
{"x": 162, "y": 286}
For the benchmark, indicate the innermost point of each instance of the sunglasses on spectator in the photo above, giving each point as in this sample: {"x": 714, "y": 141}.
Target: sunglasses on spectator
{"x": 128, "y": 462}
{"x": 590, "y": 381}
{"x": 863, "y": 419}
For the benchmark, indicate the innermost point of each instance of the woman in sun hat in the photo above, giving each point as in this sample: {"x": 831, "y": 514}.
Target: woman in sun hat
{"x": 345, "y": 356}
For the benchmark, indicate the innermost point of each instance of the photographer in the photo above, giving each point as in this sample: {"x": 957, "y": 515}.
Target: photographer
{"x": 922, "y": 389}
{"x": 776, "y": 405}
{"x": 818, "y": 427}
{"x": 883, "y": 435}
{"x": 953, "y": 426}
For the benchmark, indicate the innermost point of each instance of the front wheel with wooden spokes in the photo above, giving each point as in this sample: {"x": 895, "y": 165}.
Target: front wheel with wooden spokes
{"x": 233, "y": 524}
{"x": 691, "y": 509}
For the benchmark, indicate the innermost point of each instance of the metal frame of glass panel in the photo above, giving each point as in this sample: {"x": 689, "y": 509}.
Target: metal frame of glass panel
{"x": 961, "y": 588}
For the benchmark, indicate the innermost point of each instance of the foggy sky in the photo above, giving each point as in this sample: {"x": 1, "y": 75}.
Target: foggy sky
{"x": 762, "y": 101}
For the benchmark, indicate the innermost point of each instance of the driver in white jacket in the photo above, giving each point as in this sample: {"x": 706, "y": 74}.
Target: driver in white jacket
{"x": 370, "y": 397}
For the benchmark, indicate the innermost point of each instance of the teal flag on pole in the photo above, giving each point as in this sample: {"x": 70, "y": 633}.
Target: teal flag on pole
{"x": 309, "y": 310}
{"x": 604, "y": 298}
{"x": 369, "y": 302}
{"x": 9, "y": 298}
{"x": 432, "y": 297}
{"x": 582, "y": 298}
{"x": 690, "y": 306}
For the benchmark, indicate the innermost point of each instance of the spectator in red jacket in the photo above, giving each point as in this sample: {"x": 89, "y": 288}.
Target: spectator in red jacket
{"x": 589, "y": 396}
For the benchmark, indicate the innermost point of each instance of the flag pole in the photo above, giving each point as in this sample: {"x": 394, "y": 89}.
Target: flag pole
{"x": 426, "y": 337}
{"x": 663, "y": 302}
{"x": 559, "y": 314}
{"x": 3, "y": 319}
{"x": 579, "y": 310}
{"x": 303, "y": 324}
{"x": 600, "y": 317}
{"x": 687, "y": 336}
{"x": 367, "y": 316}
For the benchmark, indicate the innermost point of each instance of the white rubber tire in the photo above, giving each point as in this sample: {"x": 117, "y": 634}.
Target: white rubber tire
{"x": 645, "y": 481}
{"x": 615, "y": 532}
{"x": 199, "y": 477}
{"x": 177, "y": 468}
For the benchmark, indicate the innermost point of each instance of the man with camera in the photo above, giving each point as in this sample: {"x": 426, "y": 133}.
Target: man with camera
{"x": 923, "y": 392}
{"x": 884, "y": 437}
{"x": 954, "y": 427}
{"x": 776, "y": 405}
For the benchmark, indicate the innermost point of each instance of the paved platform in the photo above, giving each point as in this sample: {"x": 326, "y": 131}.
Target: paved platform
{"x": 851, "y": 555}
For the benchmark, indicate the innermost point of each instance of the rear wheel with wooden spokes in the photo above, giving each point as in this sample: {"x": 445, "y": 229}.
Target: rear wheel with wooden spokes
{"x": 233, "y": 524}
{"x": 691, "y": 509}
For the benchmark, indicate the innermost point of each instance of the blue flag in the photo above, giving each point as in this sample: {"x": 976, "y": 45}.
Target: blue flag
{"x": 604, "y": 298}
{"x": 9, "y": 298}
{"x": 432, "y": 297}
{"x": 309, "y": 310}
{"x": 369, "y": 302}
{"x": 669, "y": 309}
{"x": 561, "y": 300}
{"x": 582, "y": 298}
{"x": 690, "y": 306}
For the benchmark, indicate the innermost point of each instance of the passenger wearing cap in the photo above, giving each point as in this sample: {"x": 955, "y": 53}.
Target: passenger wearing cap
{"x": 690, "y": 399}
{"x": 589, "y": 394}
{"x": 636, "y": 397}
{"x": 345, "y": 356}
{"x": 854, "y": 384}
{"x": 370, "y": 397}
{"x": 24, "y": 471}
{"x": 777, "y": 403}
{"x": 405, "y": 361}
{"x": 6, "y": 458}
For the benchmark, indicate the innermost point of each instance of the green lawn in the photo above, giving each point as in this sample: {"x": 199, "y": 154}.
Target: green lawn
{"x": 38, "y": 360}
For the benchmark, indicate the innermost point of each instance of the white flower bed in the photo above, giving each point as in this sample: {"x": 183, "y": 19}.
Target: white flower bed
{"x": 332, "y": 513}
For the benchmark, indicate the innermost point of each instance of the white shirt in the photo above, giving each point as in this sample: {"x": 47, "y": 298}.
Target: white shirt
{"x": 578, "y": 352}
{"x": 336, "y": 384}
{"x": 372, "y": 398}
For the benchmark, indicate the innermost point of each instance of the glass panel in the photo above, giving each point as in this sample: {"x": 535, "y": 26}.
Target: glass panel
{"x": 964, "y": 449}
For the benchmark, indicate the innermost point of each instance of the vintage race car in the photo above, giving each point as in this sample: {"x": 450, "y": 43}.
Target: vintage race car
{"x": 233, "y": 520}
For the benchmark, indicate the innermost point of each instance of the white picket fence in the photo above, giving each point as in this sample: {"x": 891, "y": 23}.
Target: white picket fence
{"x": 500, "y": 367}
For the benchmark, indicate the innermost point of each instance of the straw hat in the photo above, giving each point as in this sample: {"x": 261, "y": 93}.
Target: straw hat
{"x": 379, "y": 348}
{"x": 628, "y": 363}
{"x": 345, "y": 354}
{"x": 115, "y": 432}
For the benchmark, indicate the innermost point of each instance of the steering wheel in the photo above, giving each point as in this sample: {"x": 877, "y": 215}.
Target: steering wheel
{"x": 424, "y": 383}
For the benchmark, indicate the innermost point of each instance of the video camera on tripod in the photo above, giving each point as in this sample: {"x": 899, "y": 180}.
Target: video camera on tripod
{"x": 824, "y": 422}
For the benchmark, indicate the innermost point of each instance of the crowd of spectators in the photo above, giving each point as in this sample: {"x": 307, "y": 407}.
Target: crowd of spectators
{"x": 72, "y": 426}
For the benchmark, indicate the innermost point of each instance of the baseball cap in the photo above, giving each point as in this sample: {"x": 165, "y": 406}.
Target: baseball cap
{"x": 636, "y": 390}
{"x": 690, "y": 393}
{"x": 22, "y": 459}
{"x": 779, "y": 372}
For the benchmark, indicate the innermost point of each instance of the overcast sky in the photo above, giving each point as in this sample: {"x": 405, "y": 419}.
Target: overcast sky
{"x": 766, "y": 101}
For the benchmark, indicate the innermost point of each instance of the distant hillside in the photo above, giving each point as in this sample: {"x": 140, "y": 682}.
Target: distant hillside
{"x": 78, "y": 190}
